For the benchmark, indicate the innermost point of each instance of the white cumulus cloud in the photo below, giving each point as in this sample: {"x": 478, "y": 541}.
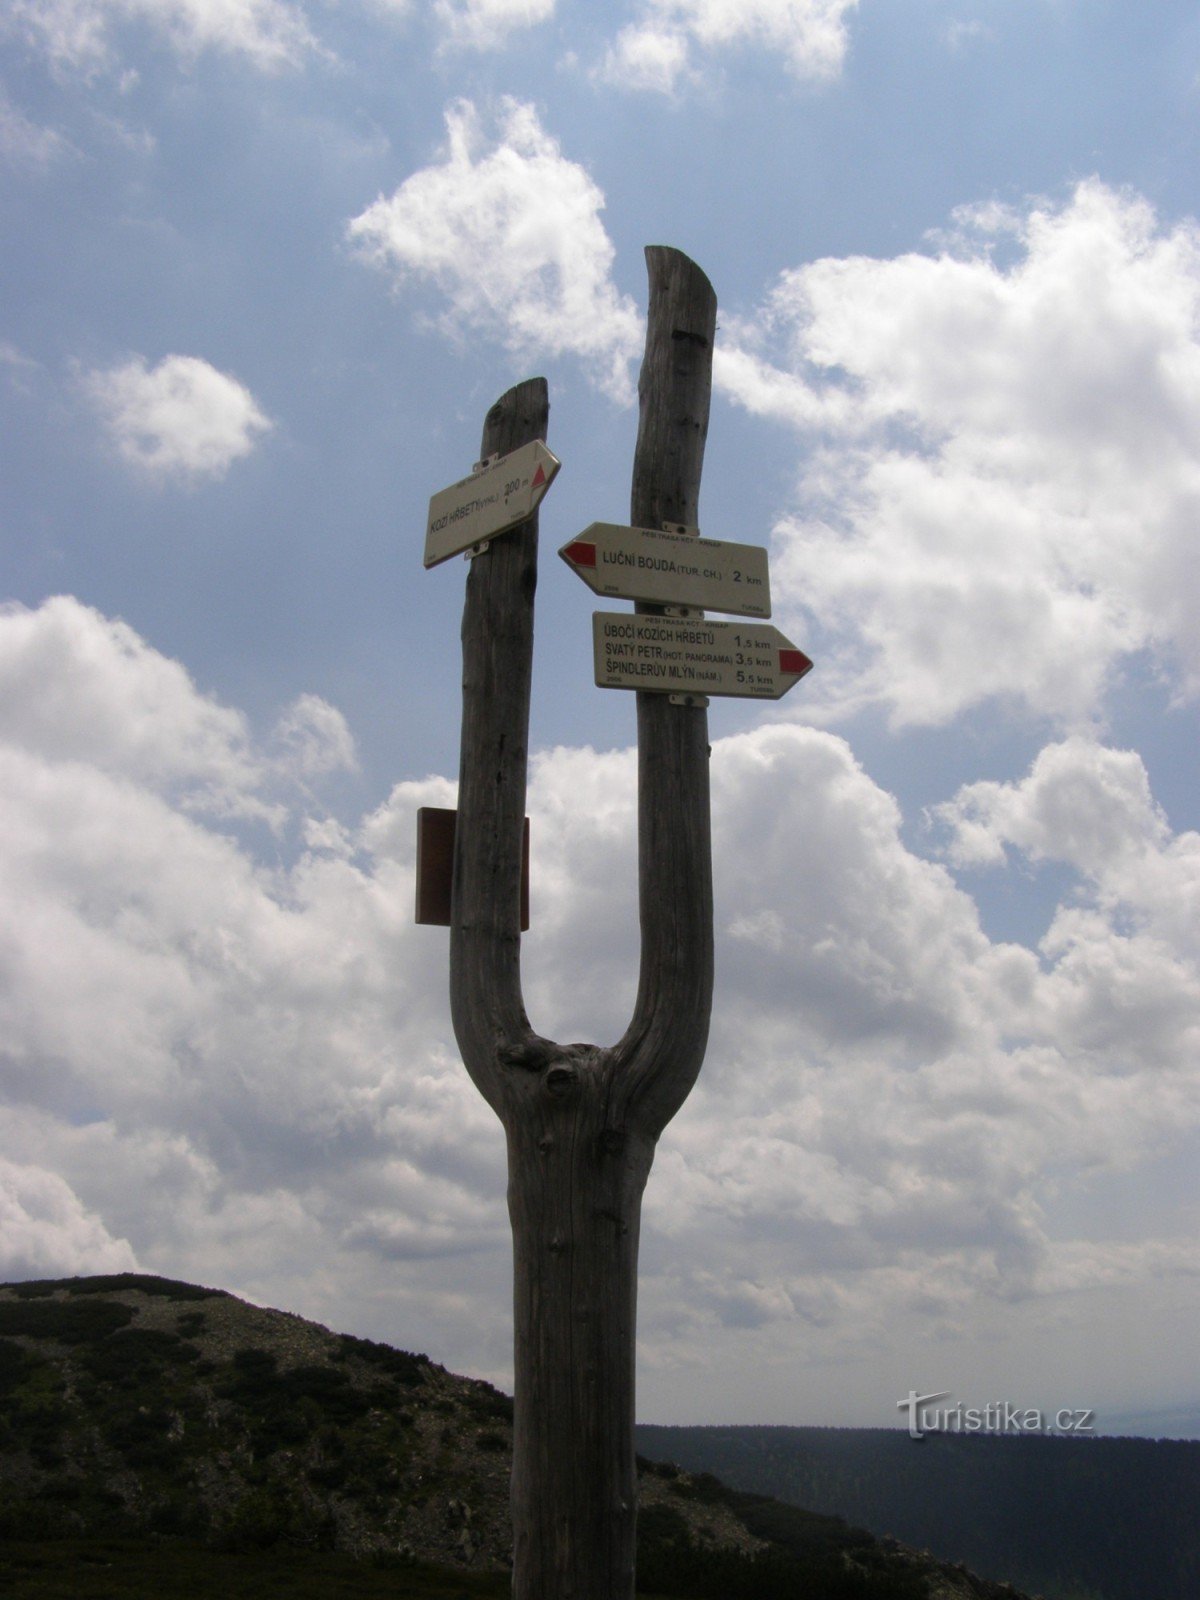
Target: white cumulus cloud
{"x": 1081, "y": 803}
{"x": 77, "y": 35}
{"x": 315, "y": 738}
{"x": 45, "y": 1232}
{"x": 659, "y": 49}
{"x": 649, "y": 56}
{"x": 181, "y": 419}
{"x": 487, "y": 24}
{"x": 891, "y": 1102}
{"x": 1002, "y": 461}
{"x": 1089, "y": 807}
{"x": 508, "y": 230}
{"x": 83, "y": 689}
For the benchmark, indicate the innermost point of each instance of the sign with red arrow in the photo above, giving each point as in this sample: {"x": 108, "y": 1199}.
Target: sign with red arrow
{"x": 681, "y": 655}
{"x": 497, "y": 497}
{"x": 672, "y": 569}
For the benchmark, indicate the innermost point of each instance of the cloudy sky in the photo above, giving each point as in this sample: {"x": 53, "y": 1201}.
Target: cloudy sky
{"x": 267, "y": 263}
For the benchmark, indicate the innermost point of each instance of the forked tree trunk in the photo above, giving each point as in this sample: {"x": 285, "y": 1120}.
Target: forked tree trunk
{"x": 582, "y": 1121}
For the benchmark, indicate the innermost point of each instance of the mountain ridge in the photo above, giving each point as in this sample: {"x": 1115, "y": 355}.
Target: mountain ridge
{"x": 1103, "y": 1518}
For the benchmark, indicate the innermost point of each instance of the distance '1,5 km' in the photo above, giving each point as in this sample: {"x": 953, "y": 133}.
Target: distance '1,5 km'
{"x": 683, "y": 655}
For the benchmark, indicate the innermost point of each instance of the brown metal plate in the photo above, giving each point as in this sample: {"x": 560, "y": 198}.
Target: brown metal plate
{"x": 435, "y": 866}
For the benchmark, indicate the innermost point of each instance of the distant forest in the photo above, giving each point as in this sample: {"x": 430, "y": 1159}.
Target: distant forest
{"x": 1072, "y": 1519}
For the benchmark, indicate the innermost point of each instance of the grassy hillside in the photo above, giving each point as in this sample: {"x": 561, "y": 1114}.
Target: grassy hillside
{"x": 157, "y": 1438}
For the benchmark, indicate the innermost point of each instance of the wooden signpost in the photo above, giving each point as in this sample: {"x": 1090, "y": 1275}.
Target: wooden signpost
{"x": 582, "y": 1120}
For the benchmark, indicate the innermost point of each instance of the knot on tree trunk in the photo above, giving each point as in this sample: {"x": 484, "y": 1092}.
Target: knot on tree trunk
{"x": 561, "y": 1077}
{"x": 533, "y": 1054}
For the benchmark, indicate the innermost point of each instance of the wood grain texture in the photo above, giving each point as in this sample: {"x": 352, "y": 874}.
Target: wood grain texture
{"x": 581, "y": 1121}
{"x": 497, "y": 646}
{"x": 665, "y": 1043}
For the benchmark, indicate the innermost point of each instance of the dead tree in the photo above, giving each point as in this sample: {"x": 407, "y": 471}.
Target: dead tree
{"x": 582, "y": 1121}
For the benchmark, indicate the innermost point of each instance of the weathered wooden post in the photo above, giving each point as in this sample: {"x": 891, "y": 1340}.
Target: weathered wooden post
{"x": 582, "y": 1121}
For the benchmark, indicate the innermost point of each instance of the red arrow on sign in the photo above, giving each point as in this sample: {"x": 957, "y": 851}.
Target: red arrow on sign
{"x": 794, "y": 661}
{"x": 580, "y": 554}
{"x": 539, "y": 477}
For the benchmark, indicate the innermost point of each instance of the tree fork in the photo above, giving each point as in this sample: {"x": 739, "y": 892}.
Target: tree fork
{"x": 581, "y": 1122}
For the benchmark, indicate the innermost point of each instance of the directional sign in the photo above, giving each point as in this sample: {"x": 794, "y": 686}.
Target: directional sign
{"x": 488, "y": 502}
{"x": 671, "y": 569}
{"x": 674, "y": 655}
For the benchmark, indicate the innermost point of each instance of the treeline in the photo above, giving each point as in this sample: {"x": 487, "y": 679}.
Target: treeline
{"x": 1073, "y": 1519}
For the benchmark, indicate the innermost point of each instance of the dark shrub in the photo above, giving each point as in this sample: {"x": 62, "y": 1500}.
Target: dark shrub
{"x": 271, "y": 1515}
{"x": 136, "y": 1355}
{"x": 328, "y": 1387}
{"x": 143, "y": 1436}
{"x": 485, "y": 1401}
{"x": 70, "y": 1322}
{"x": 403, "y": 1365}
{"x": 14, "y": 1365}
{"x": 144, "y": 1283}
